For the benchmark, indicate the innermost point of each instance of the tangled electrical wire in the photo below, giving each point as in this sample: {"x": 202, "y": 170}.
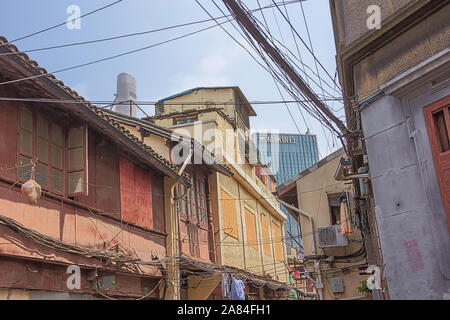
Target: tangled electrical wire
{"x": 184, "y": 262}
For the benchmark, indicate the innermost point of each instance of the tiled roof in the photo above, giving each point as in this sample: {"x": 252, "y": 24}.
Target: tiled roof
{"x": 98, "y": 111}
{"x": 168, "y": 133}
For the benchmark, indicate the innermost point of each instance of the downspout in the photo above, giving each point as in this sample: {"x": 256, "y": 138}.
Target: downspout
{"x": 305, "y": 214}
{"x": 319, "y": 285}
{"x": 212, "y": 253}
{"x": 175, "y": 199}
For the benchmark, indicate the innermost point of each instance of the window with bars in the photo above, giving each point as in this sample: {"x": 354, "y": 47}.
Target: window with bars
{"x": 59, "y": 153}
{"x": 194, "y": 204}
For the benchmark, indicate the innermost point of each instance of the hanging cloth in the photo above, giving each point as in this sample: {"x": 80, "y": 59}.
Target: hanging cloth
{"x": 346, "y": 225}
{"x": 225, "y": 285}
{"x": 237, "y": 289}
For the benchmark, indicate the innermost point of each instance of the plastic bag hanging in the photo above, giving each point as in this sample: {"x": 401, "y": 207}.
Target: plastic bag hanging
{"x": 31, "y": 190}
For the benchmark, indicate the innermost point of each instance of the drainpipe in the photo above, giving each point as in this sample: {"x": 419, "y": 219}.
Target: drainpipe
{"x": 319, "y": 284}
{"x": 305, "y": 214}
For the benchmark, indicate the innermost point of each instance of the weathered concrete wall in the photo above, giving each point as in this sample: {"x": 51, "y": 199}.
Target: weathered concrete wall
{"x": 409, "y": 209}
{"x": 206, "y": 98}
{"x": 353, "y": 15}
{"x": 73, "y": 225}
{"x": 409, "y": 49}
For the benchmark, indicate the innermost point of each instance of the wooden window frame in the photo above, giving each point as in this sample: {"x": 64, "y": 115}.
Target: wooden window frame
{"x": 193, "y": 201}
{"x": 329, "y": 197}
{"x": 83, "y": 169}
{"x": 36, "y": 114}
{"x": 435, "y": 144}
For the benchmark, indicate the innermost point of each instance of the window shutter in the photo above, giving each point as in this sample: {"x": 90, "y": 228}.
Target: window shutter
{"x": 77, "y": 164}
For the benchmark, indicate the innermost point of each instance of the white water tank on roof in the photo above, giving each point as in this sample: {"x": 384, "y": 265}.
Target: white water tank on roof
{"x": 126, "y": 94}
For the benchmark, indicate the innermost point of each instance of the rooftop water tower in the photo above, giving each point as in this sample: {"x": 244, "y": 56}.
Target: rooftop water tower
{"x": 126, "y": 93}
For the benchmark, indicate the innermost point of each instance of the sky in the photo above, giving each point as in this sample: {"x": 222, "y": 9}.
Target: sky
{"x": 208, "y": 58}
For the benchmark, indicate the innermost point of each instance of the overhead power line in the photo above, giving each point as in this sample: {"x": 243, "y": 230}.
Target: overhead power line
{"x": 121, "y": 54}
{"x": 243, "y": 18}
{"x": 134, "y": 34}
{"x": 105, "y": 102}
{"x": 110, "y": 57}
{"x": 61, "y": 24}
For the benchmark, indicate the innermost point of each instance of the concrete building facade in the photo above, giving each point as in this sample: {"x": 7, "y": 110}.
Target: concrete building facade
{"x": 397, "y": 80}
{"x": 338, "y": 269}
{"x": 288, "y": 155}
{"x": 248, "y": 222}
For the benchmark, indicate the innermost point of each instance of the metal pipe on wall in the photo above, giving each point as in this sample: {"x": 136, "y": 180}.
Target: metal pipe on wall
{"x": 313, "y": 245}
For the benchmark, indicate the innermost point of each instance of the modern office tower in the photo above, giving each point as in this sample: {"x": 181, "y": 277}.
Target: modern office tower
{"x": 287, "y": 155}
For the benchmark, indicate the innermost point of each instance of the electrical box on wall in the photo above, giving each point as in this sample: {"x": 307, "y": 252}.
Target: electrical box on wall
{"x": 337, "y": 285}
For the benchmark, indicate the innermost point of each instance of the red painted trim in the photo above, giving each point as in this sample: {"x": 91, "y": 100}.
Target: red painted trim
{"x": 436, "y": 150}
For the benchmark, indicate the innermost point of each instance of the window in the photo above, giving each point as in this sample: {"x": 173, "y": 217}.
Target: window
{"x": 335, "y": 209}
{"x": 437, "y": 117}
{"x": 44, "y": 142}
{"x": 185, "y": 120}
{"x": 265, "y": 234}
{"x": 441, "y": 129}
{"x": 194, "y": 204}
{"x": 278, "y": 243}
{"x": 229, "y": 215}
{"x": 135, "y": 194}
{"x": 250, "y": 223}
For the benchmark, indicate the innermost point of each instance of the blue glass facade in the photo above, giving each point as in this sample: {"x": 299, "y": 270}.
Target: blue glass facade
{"x": 287, "y": 155}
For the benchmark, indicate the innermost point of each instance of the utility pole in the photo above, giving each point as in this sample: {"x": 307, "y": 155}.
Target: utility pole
{"x": 242, "y": 17}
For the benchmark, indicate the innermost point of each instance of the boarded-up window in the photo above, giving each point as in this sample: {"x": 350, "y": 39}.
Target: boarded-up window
{"x": 77, "y": 161}
{"x": 265, "y": 237}
{"x": 135, "y": 194}
{"x": 278, "y": 244}
{"x": 250, "y": 223}
{"x": 229, "y": 215}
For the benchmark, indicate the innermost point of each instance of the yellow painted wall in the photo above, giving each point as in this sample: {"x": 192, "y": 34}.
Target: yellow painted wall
{"x": 14, "y": 294}
{"x": 313, "y": 191}
{"x": 237, "y": 249}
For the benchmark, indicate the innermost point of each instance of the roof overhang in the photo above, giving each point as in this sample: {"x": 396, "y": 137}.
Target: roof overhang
{"x": 19, "y": 65}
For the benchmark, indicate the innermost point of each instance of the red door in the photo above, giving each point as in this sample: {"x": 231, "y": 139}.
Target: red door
{"x": 438, "y": 122}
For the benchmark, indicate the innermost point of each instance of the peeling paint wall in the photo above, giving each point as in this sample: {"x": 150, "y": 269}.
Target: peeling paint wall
{"x": 411, "y": 67}
{"x": 401, "y": 54}
{"x": 354, "y": 15}
{"x": 409, "y": 210}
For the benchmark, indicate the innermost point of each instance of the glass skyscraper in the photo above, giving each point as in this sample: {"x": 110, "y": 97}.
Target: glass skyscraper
{"x": 287, "y": 155}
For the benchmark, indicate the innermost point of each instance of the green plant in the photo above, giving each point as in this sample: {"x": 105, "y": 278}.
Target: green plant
{"x": 363, "y": 288}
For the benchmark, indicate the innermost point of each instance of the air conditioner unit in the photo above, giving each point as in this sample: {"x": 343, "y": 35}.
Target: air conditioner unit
{"x": 331, "y": 237}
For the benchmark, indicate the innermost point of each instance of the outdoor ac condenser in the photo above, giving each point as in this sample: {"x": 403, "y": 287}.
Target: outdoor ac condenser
{"x": 330, "y": 236}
